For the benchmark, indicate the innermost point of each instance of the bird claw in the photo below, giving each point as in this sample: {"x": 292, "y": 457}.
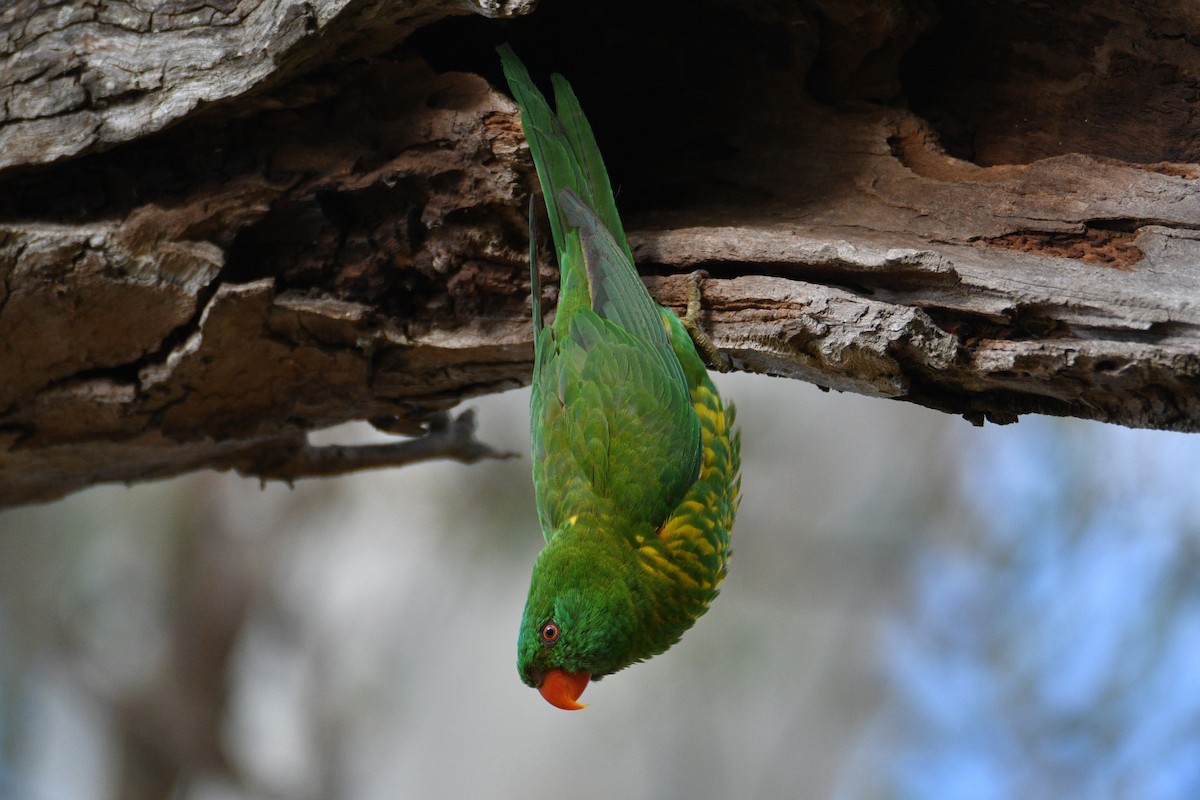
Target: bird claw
{"x": 712, "y": 355}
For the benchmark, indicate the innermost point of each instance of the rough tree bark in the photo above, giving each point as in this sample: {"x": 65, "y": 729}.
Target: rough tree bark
{"x": 225, "y": 224}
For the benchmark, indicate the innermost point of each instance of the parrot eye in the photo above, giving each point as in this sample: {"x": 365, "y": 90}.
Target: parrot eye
{"x": 550, "y": 633}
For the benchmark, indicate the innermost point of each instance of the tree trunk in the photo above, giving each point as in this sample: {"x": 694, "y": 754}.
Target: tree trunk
{"x": 223, "y": 225}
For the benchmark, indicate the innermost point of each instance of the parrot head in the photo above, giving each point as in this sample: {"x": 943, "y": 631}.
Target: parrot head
{"x": 579, "y": 625}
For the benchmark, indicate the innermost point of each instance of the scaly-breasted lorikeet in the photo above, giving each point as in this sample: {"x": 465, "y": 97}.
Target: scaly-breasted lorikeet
{"x": 635, "y": 457}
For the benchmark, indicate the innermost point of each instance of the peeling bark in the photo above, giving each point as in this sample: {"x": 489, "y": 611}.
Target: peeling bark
{"x": 82, "y": 77}
{"x": 223, "y": 225}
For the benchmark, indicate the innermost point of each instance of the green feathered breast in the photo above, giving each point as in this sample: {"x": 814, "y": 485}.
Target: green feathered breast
{"x": 635, "y": 456}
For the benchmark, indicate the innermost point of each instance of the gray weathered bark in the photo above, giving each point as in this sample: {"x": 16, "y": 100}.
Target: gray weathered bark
{"x": 223, "y": 225}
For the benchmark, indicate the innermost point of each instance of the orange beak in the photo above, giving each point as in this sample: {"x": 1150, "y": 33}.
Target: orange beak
{"x": 562, "y": 689}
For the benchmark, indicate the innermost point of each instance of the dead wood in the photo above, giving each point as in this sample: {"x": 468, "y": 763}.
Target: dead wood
{"x": 223, "y": 225}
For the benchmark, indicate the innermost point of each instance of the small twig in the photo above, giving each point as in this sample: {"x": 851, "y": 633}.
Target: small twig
{"x": 447, "y": 437}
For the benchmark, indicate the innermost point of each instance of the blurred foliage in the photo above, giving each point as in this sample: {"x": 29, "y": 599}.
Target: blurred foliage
{"x": 916, "y": 609}
{"x": 1050, "y": 646}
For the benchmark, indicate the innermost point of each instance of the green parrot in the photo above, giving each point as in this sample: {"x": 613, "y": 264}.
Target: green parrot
{"x": 635, "y": 456}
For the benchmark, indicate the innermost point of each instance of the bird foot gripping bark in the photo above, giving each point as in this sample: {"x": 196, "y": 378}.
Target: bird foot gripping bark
{"x": 712, "y": 355}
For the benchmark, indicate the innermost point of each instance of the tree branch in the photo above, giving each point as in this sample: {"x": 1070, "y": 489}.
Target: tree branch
{"x": 223, "y": 229}
{"x": 446, "y": 437}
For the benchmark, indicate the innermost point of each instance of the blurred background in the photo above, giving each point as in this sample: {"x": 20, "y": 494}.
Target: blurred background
{"x": 916, "y": 609}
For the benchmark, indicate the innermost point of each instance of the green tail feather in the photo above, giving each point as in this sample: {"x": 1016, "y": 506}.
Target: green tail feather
{"x": 535, "y": 277}
{"x": 579, "y": 197}
{"x": 564, "y": 150}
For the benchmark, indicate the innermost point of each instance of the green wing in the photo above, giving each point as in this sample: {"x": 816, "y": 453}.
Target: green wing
{"x": 617, "y": 293}
{"x": 613, "y": 432}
